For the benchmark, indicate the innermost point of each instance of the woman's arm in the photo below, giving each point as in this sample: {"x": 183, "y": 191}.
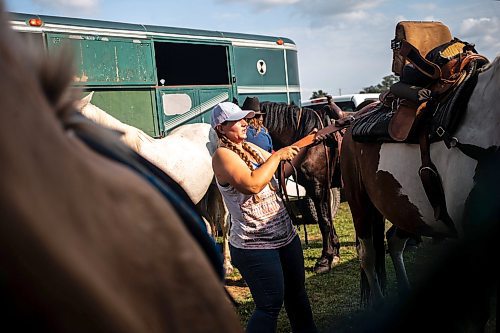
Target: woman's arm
{"x": 296, "y": 161}
{"x": 229, "y": 168}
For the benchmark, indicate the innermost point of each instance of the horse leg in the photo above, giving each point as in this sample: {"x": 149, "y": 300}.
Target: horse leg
{"x": 209, "y": 226}
{"x": 225, "y": 224}
{"x": 334, "y": 201}
{"x": 370, "y": 227}
{"x": 371, "y": 252}
{"x": 221, "y": 217}
{"x": 331, "y": 244}
{"x": 215, "y": 214}
{"x": 396, "y": 242}
{"x": 334, "y": 207}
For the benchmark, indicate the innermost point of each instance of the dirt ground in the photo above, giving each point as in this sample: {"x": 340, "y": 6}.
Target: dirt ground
{"x": 237, "y": 288}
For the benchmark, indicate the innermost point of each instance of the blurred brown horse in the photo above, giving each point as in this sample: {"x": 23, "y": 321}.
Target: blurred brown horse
{"x": 287, "y": 124}
{"x": 89, "y": 244}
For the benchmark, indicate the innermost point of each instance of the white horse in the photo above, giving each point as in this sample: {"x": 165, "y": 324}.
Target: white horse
{"x": 185, "y": 154}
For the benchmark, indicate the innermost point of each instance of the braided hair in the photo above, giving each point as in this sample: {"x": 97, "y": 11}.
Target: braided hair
{"x": 230, "y": 145}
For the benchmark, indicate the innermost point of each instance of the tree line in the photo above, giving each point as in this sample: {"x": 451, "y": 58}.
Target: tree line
{"x": 387, "y": 82}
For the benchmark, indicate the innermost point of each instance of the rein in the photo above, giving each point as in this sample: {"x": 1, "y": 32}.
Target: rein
{"x": 309, "y": 139}
{"x": 302, "y": 143}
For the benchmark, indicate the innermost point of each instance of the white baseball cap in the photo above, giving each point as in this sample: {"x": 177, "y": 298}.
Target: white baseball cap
{"x": 228, "y": 111}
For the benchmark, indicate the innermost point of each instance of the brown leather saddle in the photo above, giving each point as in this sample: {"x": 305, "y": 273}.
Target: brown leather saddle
{"x": 412, "y": 101}
{"x": 431, "y": 65}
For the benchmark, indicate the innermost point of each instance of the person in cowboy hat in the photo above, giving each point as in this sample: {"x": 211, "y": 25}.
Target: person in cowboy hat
{"x": 256, "y": 132}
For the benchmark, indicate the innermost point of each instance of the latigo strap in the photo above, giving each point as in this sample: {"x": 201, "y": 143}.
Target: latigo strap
{"x": 309, "y": 139}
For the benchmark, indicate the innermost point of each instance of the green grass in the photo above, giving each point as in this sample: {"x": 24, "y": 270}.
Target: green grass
{"x": 335, "y": 296}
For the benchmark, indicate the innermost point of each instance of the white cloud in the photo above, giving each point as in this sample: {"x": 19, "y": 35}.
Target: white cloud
{"x": 323, "y": 12}
{"x": 320, "y": 12}
{"x": 355, "y": 16}
{"x": 484, "y": 32}
{"x": 65, "y": 5}
{"x": 424, "y": 6}
{"x": 262, "y": 4}
{"x": 478, "y": 26}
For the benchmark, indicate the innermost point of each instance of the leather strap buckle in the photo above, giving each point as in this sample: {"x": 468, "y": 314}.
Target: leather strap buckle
{"x": 440, "y": 131}
{"x": 395, "y": 44}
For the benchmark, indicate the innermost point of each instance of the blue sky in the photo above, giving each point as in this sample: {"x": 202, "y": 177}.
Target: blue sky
{"x": 344, "y": 45}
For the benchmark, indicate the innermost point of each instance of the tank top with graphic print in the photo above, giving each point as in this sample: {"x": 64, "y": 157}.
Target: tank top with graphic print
{"x": 257, "y": 224}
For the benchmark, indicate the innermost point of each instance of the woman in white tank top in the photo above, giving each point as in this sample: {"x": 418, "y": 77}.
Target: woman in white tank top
{"x": 264, "y": 244}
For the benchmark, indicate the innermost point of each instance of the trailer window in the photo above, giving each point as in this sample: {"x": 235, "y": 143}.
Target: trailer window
{"x": 191, "y": 64}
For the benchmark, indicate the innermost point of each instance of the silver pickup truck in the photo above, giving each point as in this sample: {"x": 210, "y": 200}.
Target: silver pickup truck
{"x": 345, "y": 102}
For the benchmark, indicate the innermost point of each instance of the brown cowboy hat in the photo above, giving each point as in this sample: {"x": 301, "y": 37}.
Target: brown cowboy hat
{"x": 252, "y": 104}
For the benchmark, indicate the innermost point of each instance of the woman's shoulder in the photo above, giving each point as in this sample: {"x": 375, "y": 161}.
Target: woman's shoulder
{"x": 222, "y": 152}
{"x": 224, "y": 155}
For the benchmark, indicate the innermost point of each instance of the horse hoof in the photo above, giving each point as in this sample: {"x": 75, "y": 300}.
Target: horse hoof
{"x": 323, "y": 265}
{"x": 322, "y": 269}
{"x": 229, "y": 269}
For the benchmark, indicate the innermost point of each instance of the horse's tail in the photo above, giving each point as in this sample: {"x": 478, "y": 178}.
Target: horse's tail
{"x": 364, "y": 285}
{"x": 379, "y": 244}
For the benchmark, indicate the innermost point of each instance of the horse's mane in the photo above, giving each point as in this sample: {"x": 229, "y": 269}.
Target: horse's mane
{"x": 281, "y": 116}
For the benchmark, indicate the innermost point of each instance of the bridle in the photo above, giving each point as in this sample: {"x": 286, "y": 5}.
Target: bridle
{"x": 282, "y": 181}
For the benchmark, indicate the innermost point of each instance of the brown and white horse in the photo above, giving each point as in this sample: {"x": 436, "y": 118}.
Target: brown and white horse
{"x": 89, "y": 244}
{"x": 382, "y": 180}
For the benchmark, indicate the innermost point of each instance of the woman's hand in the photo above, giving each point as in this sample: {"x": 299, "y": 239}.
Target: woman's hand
{"x": 287, "y": 153}
{"x": 319, "y": 137}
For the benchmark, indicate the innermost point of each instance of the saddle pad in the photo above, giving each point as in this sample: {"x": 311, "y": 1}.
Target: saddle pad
{"x": 451, "y": 110}
{"x": 374, "y": 126}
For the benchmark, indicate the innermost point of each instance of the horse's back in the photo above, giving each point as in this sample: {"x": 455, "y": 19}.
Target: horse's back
{"x": 187, "y": 151}
{"x": 200, "y": 133}
{"x": 388, "y": 173}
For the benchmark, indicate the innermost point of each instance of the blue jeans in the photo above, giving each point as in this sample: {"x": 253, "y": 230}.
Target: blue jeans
{"x": 276, "y": 276}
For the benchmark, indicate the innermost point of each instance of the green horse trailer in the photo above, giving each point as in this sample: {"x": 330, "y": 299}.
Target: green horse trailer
{"x": 157, "y": 78}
